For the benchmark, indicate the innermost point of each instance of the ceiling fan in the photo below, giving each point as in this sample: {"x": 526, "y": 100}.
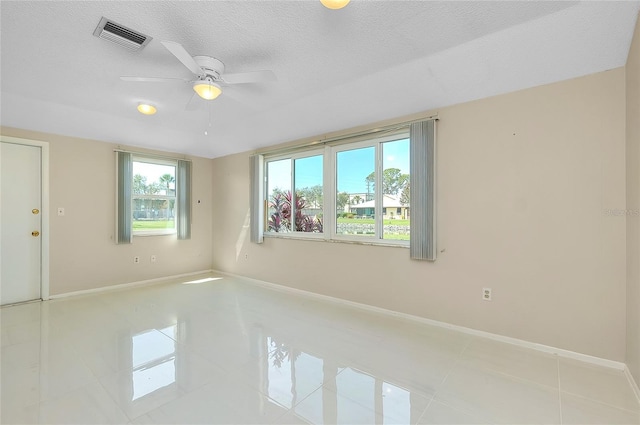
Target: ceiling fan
{"x": 209, "y": 73}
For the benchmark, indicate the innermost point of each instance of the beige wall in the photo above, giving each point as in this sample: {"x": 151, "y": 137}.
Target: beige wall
{"x": 633, "y": 206}
{"x": 524, "y": 180}
{"x": 83, "y": 254}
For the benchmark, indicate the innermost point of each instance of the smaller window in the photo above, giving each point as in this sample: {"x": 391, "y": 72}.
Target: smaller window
{"x": 153, "y": 199}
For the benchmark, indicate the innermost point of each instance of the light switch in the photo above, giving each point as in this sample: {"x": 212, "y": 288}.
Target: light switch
{"x": 60, "y": 211}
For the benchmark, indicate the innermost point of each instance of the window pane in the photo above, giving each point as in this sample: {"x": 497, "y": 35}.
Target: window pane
{"x": 355, "y": 204}
{"x": 279, "y": 195}
{"x": 395, "y": 185}
{"x": 153, "y": 214}
{"x": 153, "y": 199}
{"x": 309, "y": 194}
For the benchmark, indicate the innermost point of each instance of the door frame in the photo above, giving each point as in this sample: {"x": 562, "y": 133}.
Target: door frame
{"x": 44, "y": 208}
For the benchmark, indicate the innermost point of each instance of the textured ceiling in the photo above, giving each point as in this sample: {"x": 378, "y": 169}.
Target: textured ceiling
{"x": 372, "y": 61}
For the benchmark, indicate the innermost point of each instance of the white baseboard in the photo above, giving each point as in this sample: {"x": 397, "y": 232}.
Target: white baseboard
{"x": 501, "y": 338}
{"x": 125, "y": 285}
{"x": 632, "y": 382}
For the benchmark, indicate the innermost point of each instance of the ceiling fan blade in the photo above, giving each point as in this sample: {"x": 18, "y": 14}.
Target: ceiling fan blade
{"x": 249, "y": 77}
{"x": 153, "y": 79}
{"x": 183, "y": 56}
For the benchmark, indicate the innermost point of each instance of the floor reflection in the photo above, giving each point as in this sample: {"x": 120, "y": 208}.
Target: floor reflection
{"x": 153, "y": 358}
{"x": 319, "y": 391}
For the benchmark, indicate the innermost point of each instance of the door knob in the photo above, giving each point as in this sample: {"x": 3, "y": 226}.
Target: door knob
{"x": 35, "y": 211}
{"x": 35, "y": 233}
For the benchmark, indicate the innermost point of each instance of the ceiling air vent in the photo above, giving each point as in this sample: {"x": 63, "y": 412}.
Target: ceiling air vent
{"x": 121, "y": 35}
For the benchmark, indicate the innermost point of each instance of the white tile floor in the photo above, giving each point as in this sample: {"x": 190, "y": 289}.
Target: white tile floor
{"x": 225, "y": 351}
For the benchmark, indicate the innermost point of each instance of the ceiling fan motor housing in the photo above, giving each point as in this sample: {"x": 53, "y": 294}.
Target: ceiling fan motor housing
{"x": 212, "y": 67}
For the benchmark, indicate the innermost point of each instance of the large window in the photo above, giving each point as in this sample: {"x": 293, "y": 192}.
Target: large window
{"x": 374, "y": 188}
{"x": 351, "y": 191}
{"x": 153, "y": 196}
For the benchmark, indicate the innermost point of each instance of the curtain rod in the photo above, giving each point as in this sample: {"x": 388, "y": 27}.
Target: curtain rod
{"x": 152, "y": 155}
{"x": 376, "y": 130}
{"x": 322, "y": 142}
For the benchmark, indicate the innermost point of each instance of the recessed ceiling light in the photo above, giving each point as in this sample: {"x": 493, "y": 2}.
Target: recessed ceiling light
{"x": 334, "y": 4}
{"x": 146, "y": 109}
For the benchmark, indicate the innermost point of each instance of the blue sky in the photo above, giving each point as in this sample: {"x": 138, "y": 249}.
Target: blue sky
{"x": 308, "y": 171}
{"x": 353, "y": 167}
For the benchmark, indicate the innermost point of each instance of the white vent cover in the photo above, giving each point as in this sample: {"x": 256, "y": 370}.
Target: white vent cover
{"x": 121, "y": 35}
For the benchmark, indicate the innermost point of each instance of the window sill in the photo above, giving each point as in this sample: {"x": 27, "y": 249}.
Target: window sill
{"x": 320, "y": 238}
{"x": 144, "y": 235}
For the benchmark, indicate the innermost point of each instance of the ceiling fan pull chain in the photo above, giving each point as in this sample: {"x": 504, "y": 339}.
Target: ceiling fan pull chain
{"x": 206, "y": 132}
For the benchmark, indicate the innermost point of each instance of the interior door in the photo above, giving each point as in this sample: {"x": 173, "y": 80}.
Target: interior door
{"x": 20, "y": 222}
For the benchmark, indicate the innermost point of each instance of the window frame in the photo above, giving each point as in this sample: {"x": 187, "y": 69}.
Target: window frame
{"x": 138, "y": 157}
{"x": 330, "y": 184}
{"x": 292, "y": 157}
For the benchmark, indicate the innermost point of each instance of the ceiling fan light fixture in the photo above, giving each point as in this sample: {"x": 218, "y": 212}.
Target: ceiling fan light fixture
{"x": 146, "y": 109}
{"x": 334, "y": 4}
{"x": 207, "y": 89}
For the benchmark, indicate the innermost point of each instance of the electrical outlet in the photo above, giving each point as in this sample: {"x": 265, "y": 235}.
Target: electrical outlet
{"x": 486, "y": 294}
{"x": 153, "y": 258}
{"x": 136, "y": 260}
